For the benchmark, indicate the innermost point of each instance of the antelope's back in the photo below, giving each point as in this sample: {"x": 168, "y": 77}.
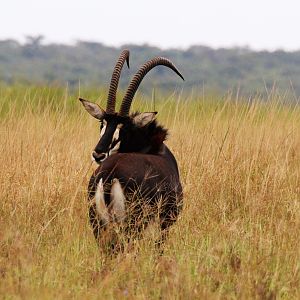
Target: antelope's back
{"x": 153, "y": 176}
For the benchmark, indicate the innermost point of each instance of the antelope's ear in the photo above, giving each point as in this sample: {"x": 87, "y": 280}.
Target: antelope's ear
{"x": 93, "y": 109}
{"x": 144, "y": 118}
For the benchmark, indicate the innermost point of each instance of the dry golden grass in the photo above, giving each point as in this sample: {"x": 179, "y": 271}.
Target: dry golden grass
{"x": 237, "y": 237}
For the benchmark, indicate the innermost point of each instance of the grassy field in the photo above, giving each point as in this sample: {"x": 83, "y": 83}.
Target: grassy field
{"x": 238, "y": 236}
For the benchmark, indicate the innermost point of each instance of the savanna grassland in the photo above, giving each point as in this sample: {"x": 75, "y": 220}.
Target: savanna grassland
{"x": 238, "y": 236}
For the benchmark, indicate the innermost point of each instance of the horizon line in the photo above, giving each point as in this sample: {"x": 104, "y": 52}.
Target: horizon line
{"x": 45, "y": 42}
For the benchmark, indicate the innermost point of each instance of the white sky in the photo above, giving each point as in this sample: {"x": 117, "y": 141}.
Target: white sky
{"x": 260, "y": 24}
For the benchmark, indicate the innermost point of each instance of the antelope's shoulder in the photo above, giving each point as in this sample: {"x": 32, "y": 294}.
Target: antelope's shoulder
{"x": 138, "y": 160}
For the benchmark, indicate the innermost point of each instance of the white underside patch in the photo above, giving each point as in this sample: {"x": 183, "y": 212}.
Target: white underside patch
{"x": 100, "y": 203}
{"x": 116, "y": 209}
{"x": 117, "y": 206}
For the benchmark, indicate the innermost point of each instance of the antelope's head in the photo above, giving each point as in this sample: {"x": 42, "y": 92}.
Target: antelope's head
{"x": 119, "y": 131}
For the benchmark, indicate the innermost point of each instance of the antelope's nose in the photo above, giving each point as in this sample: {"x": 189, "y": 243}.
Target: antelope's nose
{"x": 98, "y": 156}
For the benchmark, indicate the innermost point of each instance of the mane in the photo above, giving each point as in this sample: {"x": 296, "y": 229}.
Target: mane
{"x": 158, "y": 134}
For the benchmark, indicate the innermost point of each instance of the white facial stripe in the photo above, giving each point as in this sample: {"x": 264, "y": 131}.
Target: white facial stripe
{"x": 115, "y": 149}
{"x": 115, "y": 138}
{"x": 103, "y": 128}
{"x": 116, "y": 134}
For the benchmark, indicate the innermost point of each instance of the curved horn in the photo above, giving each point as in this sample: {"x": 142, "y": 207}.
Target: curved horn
{"x": 111, "y": 99}
{"x": 138, "y": 77}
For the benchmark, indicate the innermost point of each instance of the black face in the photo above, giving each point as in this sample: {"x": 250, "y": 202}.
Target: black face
{"x": 109, "y": 142}
{"x": 123, "y": 135}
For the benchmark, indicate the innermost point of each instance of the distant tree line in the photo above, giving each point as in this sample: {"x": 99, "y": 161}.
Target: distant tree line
{"x": 91, "y": 63}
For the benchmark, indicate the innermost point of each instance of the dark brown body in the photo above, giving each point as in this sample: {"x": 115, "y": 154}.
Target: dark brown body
{"x": 152, "y": 178}
{"x": 138, "y": 178}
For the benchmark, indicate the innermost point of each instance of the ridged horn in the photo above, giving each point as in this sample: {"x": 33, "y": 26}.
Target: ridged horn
{"x": 111, "y": 99}
{"x": 138, "y": 77}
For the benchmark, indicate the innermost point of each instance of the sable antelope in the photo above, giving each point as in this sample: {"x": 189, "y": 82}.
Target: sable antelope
{"x": 136, "y": 167}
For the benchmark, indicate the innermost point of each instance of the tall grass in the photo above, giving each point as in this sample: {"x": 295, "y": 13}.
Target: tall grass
{"x": 237, "y": 237}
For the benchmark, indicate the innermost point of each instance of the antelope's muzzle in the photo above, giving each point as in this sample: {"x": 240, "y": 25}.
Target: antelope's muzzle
{"x": 98, "y": 156}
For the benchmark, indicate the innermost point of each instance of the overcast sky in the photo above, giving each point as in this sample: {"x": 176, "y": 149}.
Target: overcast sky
{"x": 260, "y": 24}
